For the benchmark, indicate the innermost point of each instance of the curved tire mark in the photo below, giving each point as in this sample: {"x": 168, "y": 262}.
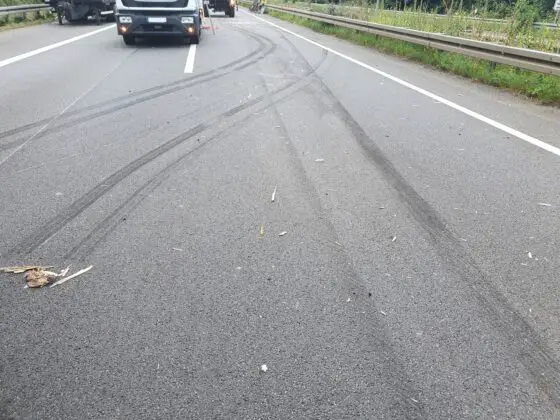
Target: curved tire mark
{"x": 35, "y": 240}
{"x": 159, "y": 91}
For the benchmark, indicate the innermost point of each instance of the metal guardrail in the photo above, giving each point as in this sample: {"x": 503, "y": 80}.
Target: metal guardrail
{"x": 533, "y": 60}
{"x": 34, "y": 7}
{"x": 440, "y": 16}
{"x": 22, "y": 8}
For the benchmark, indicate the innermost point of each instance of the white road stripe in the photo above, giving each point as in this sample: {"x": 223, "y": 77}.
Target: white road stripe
{"x": 52, "y": 120}
{"x": 512, "y": 131}
{"x": 20, "y": 57}
{"x": 189, "y": 65}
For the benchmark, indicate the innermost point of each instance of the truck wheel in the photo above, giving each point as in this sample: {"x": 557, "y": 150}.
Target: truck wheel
{"x": 232, "y": 12}
{"x": 206, "y": 11}
{"x": 195, "y": 39}
{"x": 97, "y": 17}
{"x": 129, "y": 39}
{"x": 59, "y": 15}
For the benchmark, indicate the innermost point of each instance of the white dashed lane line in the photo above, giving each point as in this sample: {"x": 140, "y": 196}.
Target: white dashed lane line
{"x": 189, "y": 65}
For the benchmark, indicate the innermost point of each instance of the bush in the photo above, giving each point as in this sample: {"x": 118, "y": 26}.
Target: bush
{"x": 524, "y": 16}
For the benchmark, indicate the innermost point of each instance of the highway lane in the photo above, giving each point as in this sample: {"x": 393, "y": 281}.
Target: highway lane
{"x": 14, "y": 43}
{"x": 402, "y": 289}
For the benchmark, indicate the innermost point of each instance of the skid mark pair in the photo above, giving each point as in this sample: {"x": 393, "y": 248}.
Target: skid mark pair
{"x": 265, "y": 47}
{"x": 223, "y": 122}
{"x": 525, "y": 342}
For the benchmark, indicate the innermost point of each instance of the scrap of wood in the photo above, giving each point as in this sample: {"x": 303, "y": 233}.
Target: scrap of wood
{"x": 61, "y": 274}
{"x": 65, "y": 279}
{"x": 36, "y": 278}
{"x": 18, "y": 269}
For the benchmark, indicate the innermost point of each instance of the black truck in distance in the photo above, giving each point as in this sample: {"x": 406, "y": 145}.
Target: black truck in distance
{"x": 227, "y": 6}
{"x": 74, "y": 11}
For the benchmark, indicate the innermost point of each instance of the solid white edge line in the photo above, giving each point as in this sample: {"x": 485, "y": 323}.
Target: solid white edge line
{"x": 522, "y": 136}
{"x": 23, "y": 56}
{"x": 189, "y": 65}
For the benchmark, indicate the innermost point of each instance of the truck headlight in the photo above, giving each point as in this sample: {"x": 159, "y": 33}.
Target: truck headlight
{"x": 187, "y": 19}
{"x": 125, "y": 19}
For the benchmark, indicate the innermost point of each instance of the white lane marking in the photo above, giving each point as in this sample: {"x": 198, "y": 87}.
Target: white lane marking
{"x": 512, "y": 131}
{"x": 20, "y": 57}
{"x": 56, "y": 117}
{"x": 44, "y": 127}
{"x": 189, "y": 65}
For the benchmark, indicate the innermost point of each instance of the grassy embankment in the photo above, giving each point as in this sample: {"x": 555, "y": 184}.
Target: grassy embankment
{"x": 515, "y": 30}
{"x": 19, "y": 20}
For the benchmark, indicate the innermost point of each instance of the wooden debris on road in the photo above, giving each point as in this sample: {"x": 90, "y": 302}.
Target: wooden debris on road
{"x": 18, "y": 269}
{"x": 65, "y": 279}
{"x": 38, "y": 276}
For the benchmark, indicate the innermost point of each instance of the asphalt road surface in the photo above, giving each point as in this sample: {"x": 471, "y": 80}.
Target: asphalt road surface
{"x": 417, "y": 278}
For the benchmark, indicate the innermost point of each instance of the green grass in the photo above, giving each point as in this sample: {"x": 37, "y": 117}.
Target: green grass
{"x": 543, "y": 88}
{"x": 460, "y": 23}
{"x": 21, "y": 20}
{"x": 4, "y": 3}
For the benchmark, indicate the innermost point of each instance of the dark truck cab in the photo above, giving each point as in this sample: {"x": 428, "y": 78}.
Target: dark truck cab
{"x": 80, "y": 10}
{"x": 227, "y": 6}
{"x": 174, "y": 18}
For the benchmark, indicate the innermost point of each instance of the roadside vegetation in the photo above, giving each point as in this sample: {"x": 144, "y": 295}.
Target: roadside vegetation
{"x": 4, "y": 3}
{"x": 21, "y": 19}
{"x": 509, "y": 23}
{"x": 543, "y": 88}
